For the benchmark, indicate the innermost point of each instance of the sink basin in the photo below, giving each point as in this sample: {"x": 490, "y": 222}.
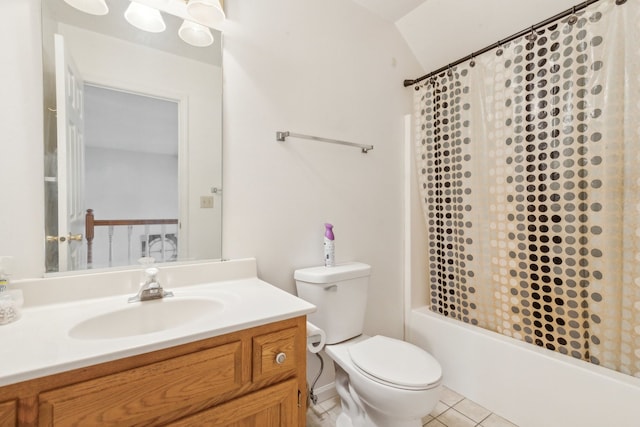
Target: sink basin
{"x": 146, "y": 317}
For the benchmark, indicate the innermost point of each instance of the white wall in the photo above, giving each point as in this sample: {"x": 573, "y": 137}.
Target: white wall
{"x": 329, "y": 69}
{"x": 131, "y": 184}
{"x": 21, "y": 151}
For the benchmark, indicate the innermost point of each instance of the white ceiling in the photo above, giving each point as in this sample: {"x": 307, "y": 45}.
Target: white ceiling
{"x": 439, "y": 32}
{"x": 391, "y": 10}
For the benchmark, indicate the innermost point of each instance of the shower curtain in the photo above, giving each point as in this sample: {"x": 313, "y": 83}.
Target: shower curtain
{"x": 529, "y": 173}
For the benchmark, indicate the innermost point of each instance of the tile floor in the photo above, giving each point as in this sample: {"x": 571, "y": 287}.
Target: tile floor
{"x": 453, "y": 410}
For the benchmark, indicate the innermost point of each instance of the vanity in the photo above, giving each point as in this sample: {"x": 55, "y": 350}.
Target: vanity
{"x": 226, "y": 349}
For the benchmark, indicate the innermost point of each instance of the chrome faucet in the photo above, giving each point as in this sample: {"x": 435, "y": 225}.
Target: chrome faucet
{"x": 150, "y": 288}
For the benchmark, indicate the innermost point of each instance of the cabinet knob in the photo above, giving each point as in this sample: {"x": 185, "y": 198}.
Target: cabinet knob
{"x": 280, "y": 358}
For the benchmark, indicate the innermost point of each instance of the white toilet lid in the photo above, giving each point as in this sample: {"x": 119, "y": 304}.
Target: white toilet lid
{"x": 396, "y": 362}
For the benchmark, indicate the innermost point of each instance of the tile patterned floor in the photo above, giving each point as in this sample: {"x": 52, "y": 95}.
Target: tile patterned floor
{"x": 453, "y": 410}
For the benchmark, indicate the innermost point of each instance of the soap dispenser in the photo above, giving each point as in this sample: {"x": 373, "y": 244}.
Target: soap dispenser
{"x": 4, "y": 280}
{"x": 9, "y": 304}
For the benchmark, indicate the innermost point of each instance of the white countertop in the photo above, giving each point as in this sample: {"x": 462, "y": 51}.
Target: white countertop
{"x": 39, "y": 344}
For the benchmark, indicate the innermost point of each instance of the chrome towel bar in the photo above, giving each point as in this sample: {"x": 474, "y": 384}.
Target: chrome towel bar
{"x": 280, "y": 136}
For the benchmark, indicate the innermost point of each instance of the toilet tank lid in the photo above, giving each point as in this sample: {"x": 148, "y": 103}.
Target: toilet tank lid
{"x": 337, "y": 273}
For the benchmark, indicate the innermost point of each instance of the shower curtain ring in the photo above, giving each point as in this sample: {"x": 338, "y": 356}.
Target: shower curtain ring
{"x": 449, "y": 72}
{"x": 499, "y": 51}
{"x": 573, "y": 18}
{"x": 472, "y": 63}
{"x": 532, "y": 36}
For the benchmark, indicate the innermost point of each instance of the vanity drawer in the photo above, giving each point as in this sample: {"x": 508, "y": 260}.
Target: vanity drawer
{"x": 148, "y": 394}
{"x": 273, "y": 406}
{"x": 8, "y": 413}
{"x": 275, "y": 355}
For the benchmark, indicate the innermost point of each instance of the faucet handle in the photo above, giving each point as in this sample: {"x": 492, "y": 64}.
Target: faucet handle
{"x": 150, "y": 288}
{"x": 151, "y": 273}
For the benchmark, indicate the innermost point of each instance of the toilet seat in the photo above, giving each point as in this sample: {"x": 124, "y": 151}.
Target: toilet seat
{"x": 395, "y": 363}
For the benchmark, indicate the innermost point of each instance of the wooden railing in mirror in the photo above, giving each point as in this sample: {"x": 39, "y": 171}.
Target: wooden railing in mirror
{"x": 158, "y": 238}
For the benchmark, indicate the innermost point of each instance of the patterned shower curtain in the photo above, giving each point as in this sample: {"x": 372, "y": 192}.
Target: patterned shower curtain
{"x": 529, "y": 172}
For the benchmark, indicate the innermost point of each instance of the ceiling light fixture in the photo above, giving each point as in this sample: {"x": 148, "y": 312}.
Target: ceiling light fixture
{"x": 206, "y": 12}
{"x": 198, "y": 15}
{"x": 93, "y": 7}
{"x": 145, "y": 18}
{"x": 195, "y": 34}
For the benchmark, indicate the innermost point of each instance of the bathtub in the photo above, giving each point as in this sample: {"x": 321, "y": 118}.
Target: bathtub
{"x": 528, "y": 385}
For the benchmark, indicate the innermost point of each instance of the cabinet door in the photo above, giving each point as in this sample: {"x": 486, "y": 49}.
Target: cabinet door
{"x": 8, "y": 413}
{"x": 151, "y": 394}
{"x": 274, "y": 355}
{"x": 275, "y": 406}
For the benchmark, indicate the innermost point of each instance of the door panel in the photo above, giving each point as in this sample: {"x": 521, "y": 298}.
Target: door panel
{"x": 70, "y": 159}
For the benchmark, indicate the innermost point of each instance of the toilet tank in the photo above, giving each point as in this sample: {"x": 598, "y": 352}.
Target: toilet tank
{"x": 340, "y": 295}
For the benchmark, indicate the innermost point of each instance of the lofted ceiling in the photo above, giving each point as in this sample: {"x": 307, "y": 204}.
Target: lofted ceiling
{"x": 439, "y": 32}
{"x": 391, "y": 10}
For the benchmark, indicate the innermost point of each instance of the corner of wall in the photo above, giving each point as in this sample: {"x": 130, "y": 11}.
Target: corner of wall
{"x": 22, "y": 194}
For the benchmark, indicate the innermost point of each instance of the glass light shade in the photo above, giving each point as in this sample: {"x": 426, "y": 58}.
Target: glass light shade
{"x": 145, "y": 18}
{"x": 195, "y": 34}
{"x": 207, "y": 12}
{"x": 93, "y": 7}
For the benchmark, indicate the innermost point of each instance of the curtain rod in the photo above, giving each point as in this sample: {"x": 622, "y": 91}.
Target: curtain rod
{"x": 535, "y": 27}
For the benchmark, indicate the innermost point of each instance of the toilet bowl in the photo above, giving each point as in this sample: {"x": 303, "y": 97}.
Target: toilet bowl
{"x": 381, "y": 381}
{"x": 395, "y": 382}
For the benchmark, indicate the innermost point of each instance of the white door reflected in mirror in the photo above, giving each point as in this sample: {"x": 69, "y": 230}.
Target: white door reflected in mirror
{"x": 70, "y": 178}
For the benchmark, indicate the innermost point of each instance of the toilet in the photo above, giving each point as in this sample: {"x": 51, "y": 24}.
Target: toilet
{"x": 381, "y": 381}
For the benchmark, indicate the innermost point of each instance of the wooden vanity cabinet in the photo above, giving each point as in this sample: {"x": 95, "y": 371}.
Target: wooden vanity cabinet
{"x": 9, "y": 413}
{"x": 272, "y": 406}
{"x": 254, "y": 377}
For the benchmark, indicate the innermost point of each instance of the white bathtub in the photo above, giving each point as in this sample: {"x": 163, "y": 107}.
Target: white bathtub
{"x": 528, "y": 385}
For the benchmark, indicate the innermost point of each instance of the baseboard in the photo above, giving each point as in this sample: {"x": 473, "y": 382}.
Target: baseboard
{"x": 326, "y": 392}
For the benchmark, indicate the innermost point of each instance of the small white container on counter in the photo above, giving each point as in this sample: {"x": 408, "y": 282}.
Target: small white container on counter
{"x": 10, "y": 306}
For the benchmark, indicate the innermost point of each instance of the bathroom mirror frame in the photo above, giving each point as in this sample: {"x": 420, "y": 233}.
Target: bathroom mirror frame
{"x": 156, "y": 65}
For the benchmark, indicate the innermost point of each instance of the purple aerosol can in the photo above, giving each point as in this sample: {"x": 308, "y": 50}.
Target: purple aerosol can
{"x": 329, "y": 246}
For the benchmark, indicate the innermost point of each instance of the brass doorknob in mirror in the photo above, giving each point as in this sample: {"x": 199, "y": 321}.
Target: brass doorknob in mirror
{"x": 62, "y": 239}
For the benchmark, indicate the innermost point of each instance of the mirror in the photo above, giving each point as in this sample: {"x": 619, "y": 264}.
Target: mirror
{"x": 133, "y": 141}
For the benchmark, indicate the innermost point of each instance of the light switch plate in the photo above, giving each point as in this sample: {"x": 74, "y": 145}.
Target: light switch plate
{"x": 206, "y": 202}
